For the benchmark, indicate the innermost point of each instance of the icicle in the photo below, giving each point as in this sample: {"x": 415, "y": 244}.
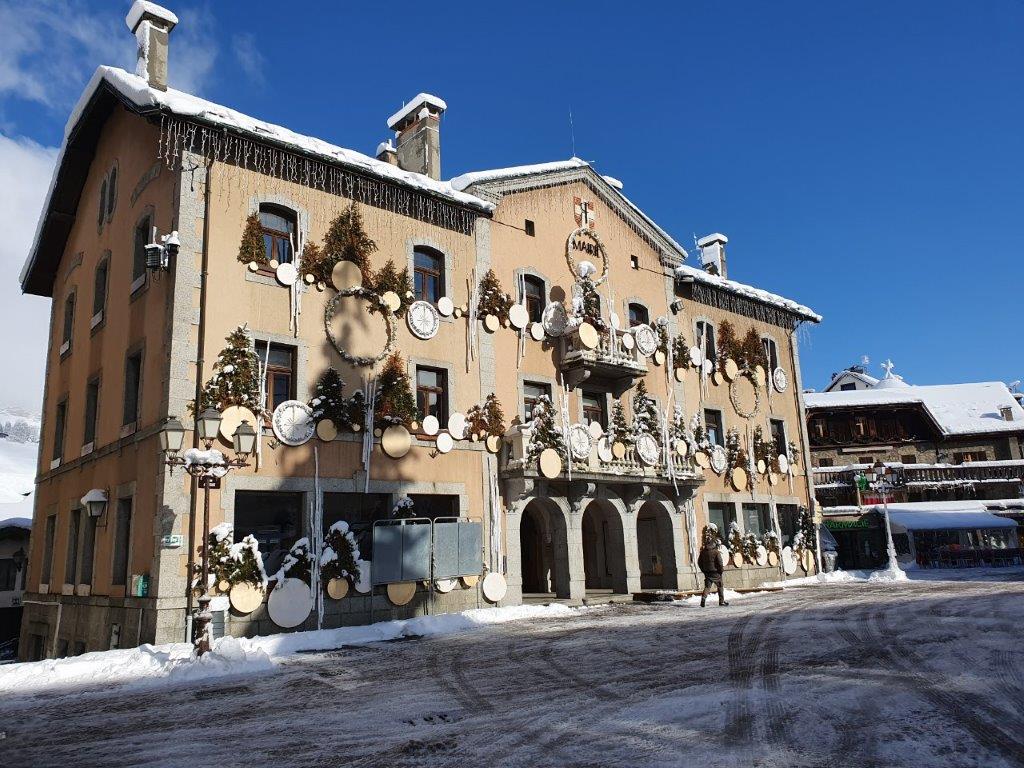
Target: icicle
{"x": 262, "y": 404}
{"x": 317, "y": 537}
{"x": 371, "y": 396}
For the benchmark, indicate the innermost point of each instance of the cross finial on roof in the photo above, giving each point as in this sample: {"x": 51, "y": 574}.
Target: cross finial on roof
{"x": 888, "y": 366}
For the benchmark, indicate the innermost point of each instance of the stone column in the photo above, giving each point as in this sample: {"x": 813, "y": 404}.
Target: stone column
{"x": 629, "y": 549}
{"x": 570, "y": 573}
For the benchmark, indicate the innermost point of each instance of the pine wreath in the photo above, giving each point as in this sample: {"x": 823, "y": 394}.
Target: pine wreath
{"x": 331, "y": 309}
{"x": 598, "y": 246}
{"x": 734, "y": 397}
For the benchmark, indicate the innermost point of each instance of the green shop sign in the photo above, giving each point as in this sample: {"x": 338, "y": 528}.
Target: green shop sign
{"x": 846, "y": 525}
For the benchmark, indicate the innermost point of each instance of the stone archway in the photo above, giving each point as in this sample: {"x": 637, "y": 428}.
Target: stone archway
{"x": 604, "y": 558}
{"x": 656, "y": 547}
{"x": 543, "y": 550}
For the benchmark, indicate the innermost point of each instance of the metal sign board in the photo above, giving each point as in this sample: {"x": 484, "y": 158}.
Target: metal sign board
{"x": 457, "y": 549}
{"x": 401, "y": 552}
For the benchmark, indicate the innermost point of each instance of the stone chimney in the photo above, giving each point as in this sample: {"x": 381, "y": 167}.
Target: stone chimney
{"x": 712, "y": 254}
{"x": 151, "y": 24}
{"x": 417, "y": 127}
{"x": 386, "y": 152}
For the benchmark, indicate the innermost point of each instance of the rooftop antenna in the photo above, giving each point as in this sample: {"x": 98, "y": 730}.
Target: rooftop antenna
{"x": 572, "y": 133}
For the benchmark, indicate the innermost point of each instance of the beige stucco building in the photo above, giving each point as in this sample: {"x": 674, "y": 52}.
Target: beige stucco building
{"x": 129, "y": 346}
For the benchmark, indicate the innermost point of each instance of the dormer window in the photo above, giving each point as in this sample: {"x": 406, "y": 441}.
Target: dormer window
{"x": 278, "y": 225}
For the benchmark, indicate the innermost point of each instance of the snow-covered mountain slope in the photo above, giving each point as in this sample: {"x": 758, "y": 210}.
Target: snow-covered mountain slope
{"x": 17, "y": 478}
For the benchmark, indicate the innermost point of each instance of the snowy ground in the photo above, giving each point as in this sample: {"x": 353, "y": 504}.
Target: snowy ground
{"x": 925, "y": 673}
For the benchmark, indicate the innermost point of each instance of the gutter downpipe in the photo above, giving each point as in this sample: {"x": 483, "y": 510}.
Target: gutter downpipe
{"x": 802, "y": 413}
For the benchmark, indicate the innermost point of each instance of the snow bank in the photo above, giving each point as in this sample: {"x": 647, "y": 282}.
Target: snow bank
{"x": 730, "y": 595}
{"x": 174, "y": 662}
{"x": 171, "y": 663}
{"x": 421, "y": 626}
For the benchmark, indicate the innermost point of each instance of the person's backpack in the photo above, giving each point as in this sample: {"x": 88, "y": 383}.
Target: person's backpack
{"x": 706, "y": 561}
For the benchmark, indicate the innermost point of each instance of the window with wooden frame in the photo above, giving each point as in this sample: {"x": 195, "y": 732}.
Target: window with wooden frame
{"x": 92, "y": 397}
{"x": 71, "y": 551}
{"x": 594, "y": 410}
{"x": 132, "y": 383}
{"x": 778, "y": 430}
{"x": 532, "y": 393}
{"x": 59, "y": 425}
{"x": 705, "y": 336}
{"x": 69, "y": 323}
{"x": 638, "y": 314}
{"x": 141, "y": 239}
{"x": 824, "y": 461}
{"x": 966, "y": 457}
{"x": 432, "y": 392}
{"x": 99, "y": 290}
{"x": 533, "y": 297}
{"x": 771, "y": 352}
{"x": 279, "y": 226}
{"x": 428, "y": 274}
{"x": 280, "y": 374}
{"x": 818, "y": 428}
{"x": 713, "y": 426}
{"x": 120, "y": 562}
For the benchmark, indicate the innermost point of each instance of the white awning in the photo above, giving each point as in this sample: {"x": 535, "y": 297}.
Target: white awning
{"x": 947, "y": 520}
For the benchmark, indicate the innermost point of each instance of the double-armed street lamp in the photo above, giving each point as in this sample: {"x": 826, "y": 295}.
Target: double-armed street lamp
{"x": 207, "y": 468}
{"x": 878, "y": 477}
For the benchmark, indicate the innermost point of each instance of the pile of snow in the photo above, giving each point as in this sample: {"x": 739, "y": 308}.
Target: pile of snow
{"x": 730, "y": 595}
{"x": 174, "y": 662}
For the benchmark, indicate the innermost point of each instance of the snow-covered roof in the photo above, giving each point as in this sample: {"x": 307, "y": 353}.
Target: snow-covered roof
{"x": 944, "y": 515}
{"x": 714, "y": 237}
{"x": 613, "y": 181}
{"x": 957, "y": 409}
{"x": 420, "y": 99}
{"x": 495, "y": 174}
{"x": 742, "y": 289}
{"x": 863, "y": 377}
{"x": 141, "y": 7}
{"x": 17, "y": 522}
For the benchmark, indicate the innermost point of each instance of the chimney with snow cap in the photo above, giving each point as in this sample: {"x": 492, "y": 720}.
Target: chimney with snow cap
{"x": 386, "y": 152}
{"x": 151, "y": 24}
{"x": 417, "y": 127}
{"x": 712, "y": 253}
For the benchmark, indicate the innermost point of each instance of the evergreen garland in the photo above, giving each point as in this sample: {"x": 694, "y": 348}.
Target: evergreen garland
{"x": 680, "y": 352}
{"x": 394, "y": 403}
{"x": 390, "y": 278}
{"x": 252, "y": 247}
{"x": 751, "y": 352}
{"x": 492, "y": 300}
{"x": 346, "y": 240}
{"x": 544, "y": 433}
{"x": 494, "y": 416}
{"x": 235, "y": 379}
{"x": 339, "y": 558}
{"x": 618, "y": 427}
{"x": 728, "y": 345}
{"x": 646, "y": 419}
{"x": 297, "y": 564}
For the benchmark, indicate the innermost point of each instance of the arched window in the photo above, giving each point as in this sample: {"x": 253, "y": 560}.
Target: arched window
{"x": 705, "y": 339}
{"x": 99, "y": 291}
{"x": 534, "y": 297}
{"x": 111, "y": 191}
{"x": 103, "y": 203}
{"x": 428, "y": 277}
{"x": 278, "y": 225}
{"x": 638, "y": 314}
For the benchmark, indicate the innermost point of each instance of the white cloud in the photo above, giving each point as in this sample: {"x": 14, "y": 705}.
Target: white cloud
{"x": 25, "y": 171}
{"x": 249, "y": 58}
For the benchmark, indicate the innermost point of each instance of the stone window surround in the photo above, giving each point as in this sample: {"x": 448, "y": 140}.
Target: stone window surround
{"x": 452, "y": 393}
{"x": 532, "y": 272}
{"x": 303, "y": 387}
{"x": 739, "y": 499}
{"x": 539, "y": 379}
{"x": 636, "y": 300}
{"x": 138, "y": 285}
{"x": 122, "y": 491}
{"x": 411, "y": 244}
{"x": 302, "y": 226}
{"x": 778, "y": 351}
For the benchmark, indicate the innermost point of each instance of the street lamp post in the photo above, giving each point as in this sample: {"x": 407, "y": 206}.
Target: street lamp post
{"x": 878, "y": 477}
{"x": 207, "y": 467}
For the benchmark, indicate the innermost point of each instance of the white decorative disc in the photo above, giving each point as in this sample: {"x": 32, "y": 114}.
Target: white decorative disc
{"x": 696, "y": 357}
{"x": 518, "y": 316}
{"x": 293, "y": 422}
{"x": 596, "y": 430}
{"x": 444, "y": 586}
{"x": 537, "y": 331}
{"x": 396, "y": 441}
{"x": 245, "y": 597}
{"x": 423, "y": 319}
{"x": 491, "y": 323}
{"x": 286, "y": 274}
{"x": 326, "y": 430}
{"x": 628, "y": 342}
{"x": 807, "y": 560}
{"x": 647, "y": 449}
{"x": 445, "y": 443}
{"x": 550, "y": 463}
{"x": 731, "y": 369}
{"x": 290, "y": 603}
{"x": 401, "y": 592}
{"x": 780, "y": 380}
{"x": 615, "y": 320}
{"x": 783, "y": 463}
{"x": 719, "y": 459}
{"x": 345, "y": 275}
{"x": 708, "y": 366}
{"x": 761, "y": 556}
{"x": 789, "y": 561}
{"x": 231, "y": 418}
{"x": 604, "y": 450}
{"x": 445, "y": 306}
{"x": 555, "y": 319}
{"x": 457, "y": 426}
{"x": 391, "y": 300}
{"x": 494, "y": 587}
{"x": 682, "y": 448}
{"x": 580, "y": 441}
{"x": 431, "y": 425}
{"x": 737, "y": 559}
{"x": 588, "y": 335}
{"x": 646, "y": 340}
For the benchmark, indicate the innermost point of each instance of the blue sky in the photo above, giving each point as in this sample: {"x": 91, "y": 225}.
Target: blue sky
{"x": 864, "y": 158}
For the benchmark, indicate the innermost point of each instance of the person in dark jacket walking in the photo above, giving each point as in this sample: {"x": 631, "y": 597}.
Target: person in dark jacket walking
{"x": 712, "y": 566}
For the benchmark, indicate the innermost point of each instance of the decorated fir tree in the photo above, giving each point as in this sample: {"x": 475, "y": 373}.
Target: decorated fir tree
{"x": 312, "y": 262}
{"x": 404, "y": 509}
{"x": 735, "y": 538}
{"x": 728, "y": 346}
{"x": 680, "y": 352}
{"x": 590, "y": 303}
{"x": 544, "y": 433}
{"x": 750, "y": 548}
{"x": 663, "y": 340}
{"x": 646, "y": 419}
{"x": 252, "y": 248}
{"x": 221, "y": 563}
{"x": 751, "y": 352}
{"x": 806, "y": 537}
{"x": 355, "y": 409}
{"x": 347, "y": 240}
{"x": 678, "y": 429}
{"x": 770, "y": 541}
{"x": 339, "y": 556}
{"x": 619, "y": 429}
{"x": 248, "y": 563}
{"x": 390, "y": 278}
{"x": 394, "y": 403}
{"x": 494, "y": 416}
{"x": 235, "y": 379}
{"x": 700, "y": 432}
{"x": 476, "y": 422}
{"x": 762, "y": 447}
{"x": 491, "y": 299}
{"x": 328, "y": 402}
{"x": 735, "y": 453}
{"x": 298, "y": 563}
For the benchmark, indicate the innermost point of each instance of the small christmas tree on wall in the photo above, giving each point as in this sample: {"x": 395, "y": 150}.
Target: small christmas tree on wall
{"x": 544, "y": 433}
{"x": 390, "y": 278}
{"x": 235, "y": 379}
{"x": 339, "y": 558}
{"x": 252, "y": 248}
{"x": 680, "y": 352}
{"x": 728, "y": 346}
{"x": 311, "y": 262}
{"x": 751, "y": 353}
{"x": 394, "y": 403}
{"x": 646, "y": 419}
{"x": 663, "y": 340}
{"x": 492, "y": 300}
{"x": 355, "y": 409}
{"x": 619, "y": 428}
{"x": 328, "y": 402}
{"x": 591, "y": 303}
{"x": 346, "y": 240}
{"x": 494, "y": 416}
